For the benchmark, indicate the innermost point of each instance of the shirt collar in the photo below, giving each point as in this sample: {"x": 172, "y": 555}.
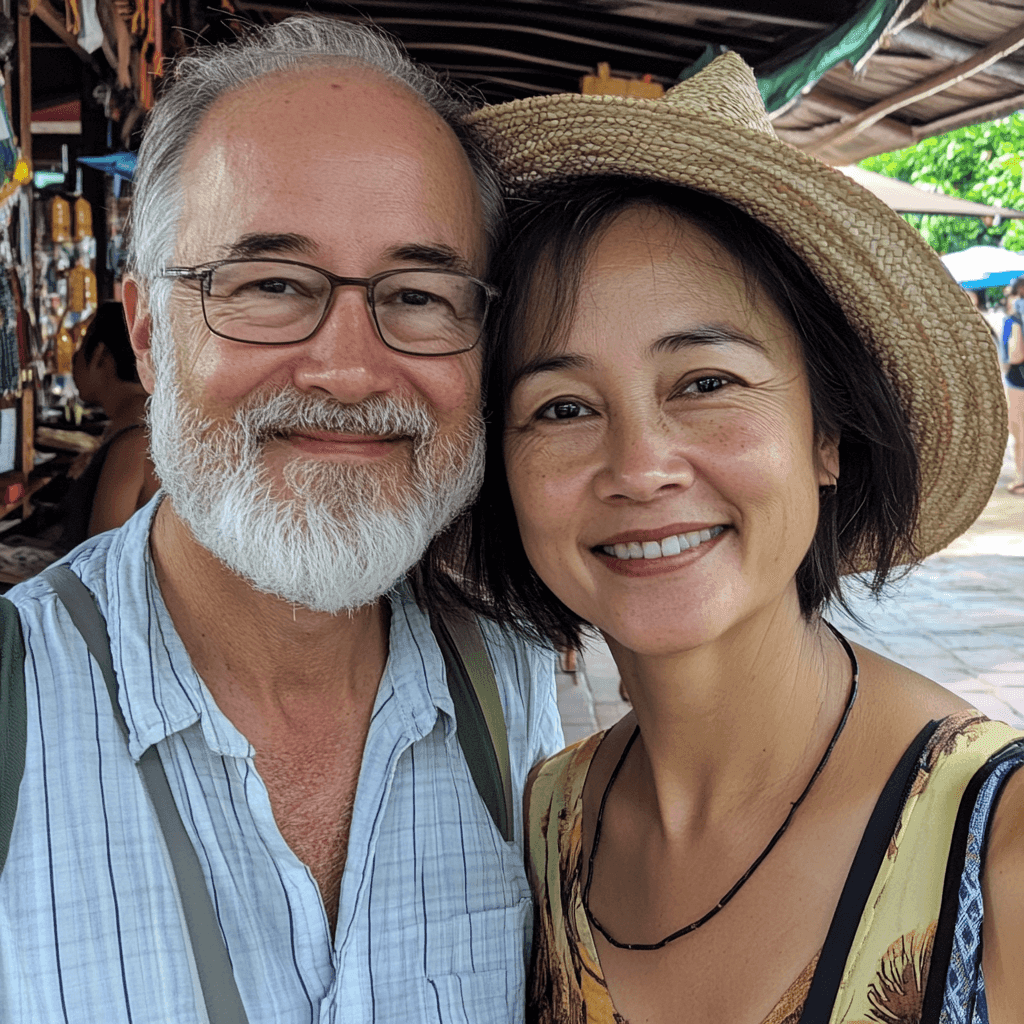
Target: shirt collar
{"x": 161, "y": 693}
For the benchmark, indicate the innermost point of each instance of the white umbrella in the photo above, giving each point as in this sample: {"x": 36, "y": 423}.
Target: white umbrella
{"x": 984, "y": 266}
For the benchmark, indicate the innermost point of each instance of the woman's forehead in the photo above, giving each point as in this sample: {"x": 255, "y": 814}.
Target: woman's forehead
{"x": 641, "y": 252}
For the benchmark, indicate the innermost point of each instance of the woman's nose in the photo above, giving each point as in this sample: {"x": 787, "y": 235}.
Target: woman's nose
{"x": 644, "y": 459}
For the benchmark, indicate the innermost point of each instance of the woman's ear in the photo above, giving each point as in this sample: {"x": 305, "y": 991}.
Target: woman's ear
{"x": 828, "y": 461}
{"x": 140, "y": 329}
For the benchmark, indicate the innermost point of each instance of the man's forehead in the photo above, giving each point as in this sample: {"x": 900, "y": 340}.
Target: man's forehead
{"x": 328, "y": 149}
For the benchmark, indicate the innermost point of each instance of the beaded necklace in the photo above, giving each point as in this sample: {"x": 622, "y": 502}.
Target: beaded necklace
{"x": 701, "y": 921}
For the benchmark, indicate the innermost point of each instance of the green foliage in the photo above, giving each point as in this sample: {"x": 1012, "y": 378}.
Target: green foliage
{"x": 982, "y": 163}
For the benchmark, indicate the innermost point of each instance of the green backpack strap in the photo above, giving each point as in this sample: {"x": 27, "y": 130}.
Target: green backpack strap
{"x": 479, "y": 718}
{"x": 13, "y": 720}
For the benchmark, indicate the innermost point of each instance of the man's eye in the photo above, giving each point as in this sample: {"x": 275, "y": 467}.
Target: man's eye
{"x": 565, "y": 409}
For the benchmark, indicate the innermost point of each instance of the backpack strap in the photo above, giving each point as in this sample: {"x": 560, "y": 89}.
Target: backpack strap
{"x": 955, "y": 982}
{"x": 213, "y": 966}
{"x": 479, "y": 718}
{"x": 13, "y": 720}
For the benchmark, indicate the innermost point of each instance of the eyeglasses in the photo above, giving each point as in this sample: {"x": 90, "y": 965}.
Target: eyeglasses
{"x": 281, "y": 302}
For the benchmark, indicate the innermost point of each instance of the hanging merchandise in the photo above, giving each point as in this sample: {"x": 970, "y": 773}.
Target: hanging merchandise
{"x": 8, "y": 152}
{"x": 10, "y": 306}
{"x": 67, "y": 293}
{"x": 81, "y": 290}
{"x": 83, "y": 219}
{"x": 60, "y": 220}
{"x": 65, "y": 351}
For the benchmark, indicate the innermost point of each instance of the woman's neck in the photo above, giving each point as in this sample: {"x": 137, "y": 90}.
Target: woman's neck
{"x": 733, "y": 721}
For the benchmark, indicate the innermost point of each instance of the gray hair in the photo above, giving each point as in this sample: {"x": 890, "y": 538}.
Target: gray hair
{"x": 203, "y": 76}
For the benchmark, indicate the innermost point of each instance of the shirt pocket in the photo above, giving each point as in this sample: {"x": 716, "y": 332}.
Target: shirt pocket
{"x": 477, "y": 969}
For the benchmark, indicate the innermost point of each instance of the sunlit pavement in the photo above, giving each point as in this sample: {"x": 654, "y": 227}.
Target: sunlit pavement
{"x": 958, "y": 619}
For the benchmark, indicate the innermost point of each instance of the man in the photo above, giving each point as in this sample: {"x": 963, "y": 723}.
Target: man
{"x": 314, "y": 421}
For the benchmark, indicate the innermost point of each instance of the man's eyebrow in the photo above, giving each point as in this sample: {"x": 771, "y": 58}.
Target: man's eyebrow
{"x": 444, "y": 257}
{"x": 709, "y": 334}
{"x": 260, "y": 243}
{"x": 549, "y": 364}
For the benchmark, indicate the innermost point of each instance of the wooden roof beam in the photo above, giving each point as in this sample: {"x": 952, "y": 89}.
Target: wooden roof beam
{"x": 972, "y": 115}
{"x": 833, "y": 102}
{"x": 984, "y": 58}
{"x": 922, "y": 40}
{"x": 752, "y": 9}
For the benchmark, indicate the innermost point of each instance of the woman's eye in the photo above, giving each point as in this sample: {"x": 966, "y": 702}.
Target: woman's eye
{"x": 704, "y": 385}
{"x": 565, "y": 409}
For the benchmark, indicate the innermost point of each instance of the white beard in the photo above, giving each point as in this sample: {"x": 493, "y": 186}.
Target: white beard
{"x": 345, "y": 533}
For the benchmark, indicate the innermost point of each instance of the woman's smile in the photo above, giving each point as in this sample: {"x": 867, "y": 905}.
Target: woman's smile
{"x": 672, "y": 544}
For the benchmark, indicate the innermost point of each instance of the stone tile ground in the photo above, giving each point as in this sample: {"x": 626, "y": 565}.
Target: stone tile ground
{"x": 958, "y": 618}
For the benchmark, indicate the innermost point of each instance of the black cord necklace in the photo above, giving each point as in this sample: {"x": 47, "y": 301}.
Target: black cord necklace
{"x": 694, "y": 925}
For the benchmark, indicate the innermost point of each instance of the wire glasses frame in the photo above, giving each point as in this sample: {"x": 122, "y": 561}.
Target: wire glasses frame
{"x": 424, "y": 312}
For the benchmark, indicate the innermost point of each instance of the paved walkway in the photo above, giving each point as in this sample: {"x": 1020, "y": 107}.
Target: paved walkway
{"x": 958, "y": 619}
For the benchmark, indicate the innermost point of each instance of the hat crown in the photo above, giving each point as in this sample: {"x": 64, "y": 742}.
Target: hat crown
{"x": 727, "y": 89}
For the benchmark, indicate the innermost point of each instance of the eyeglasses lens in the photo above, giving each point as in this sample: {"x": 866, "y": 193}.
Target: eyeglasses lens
{"x": 426, "y": 312}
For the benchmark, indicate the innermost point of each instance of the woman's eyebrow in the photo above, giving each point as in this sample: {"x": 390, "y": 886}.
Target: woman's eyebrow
{"x": 549, "y": 364}
{"x": 711, "y": 334}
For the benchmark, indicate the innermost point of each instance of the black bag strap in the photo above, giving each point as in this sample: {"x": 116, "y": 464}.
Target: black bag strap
{"x": 479, "y": 718}
{"x": 13, "y": 720}
{"x": 213, "y": 966}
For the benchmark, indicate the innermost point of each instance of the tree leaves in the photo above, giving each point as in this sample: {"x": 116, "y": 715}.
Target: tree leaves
{"x": 981, "y": 162}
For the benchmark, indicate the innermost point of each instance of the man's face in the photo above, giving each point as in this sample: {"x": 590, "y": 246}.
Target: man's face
{"x": 330, "y": 449}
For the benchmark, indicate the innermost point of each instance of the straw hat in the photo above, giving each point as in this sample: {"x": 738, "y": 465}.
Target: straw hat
{"x": 712, "y": 133}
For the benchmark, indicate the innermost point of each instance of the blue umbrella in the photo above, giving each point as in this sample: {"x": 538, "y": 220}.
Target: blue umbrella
{"x": 984, "y": 266}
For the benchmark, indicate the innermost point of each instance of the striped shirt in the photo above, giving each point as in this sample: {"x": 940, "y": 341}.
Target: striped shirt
{"x": 434, "y": 914}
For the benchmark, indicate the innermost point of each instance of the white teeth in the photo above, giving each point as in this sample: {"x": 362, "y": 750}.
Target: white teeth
{"x": 662, "y": 549}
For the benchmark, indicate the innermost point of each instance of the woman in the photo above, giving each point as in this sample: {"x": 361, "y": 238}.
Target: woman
{"x": 119, "y": 477}
{"x": 708, "y": 410}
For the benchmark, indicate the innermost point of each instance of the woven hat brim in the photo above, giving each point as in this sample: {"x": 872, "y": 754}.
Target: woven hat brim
{"x": 928, "y": 338}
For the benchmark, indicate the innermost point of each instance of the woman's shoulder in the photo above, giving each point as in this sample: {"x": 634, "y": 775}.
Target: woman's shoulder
{"x": 561, "y": 777}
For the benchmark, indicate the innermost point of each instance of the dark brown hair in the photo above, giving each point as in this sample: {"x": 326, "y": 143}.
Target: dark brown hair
{"x": 872, "y": 509}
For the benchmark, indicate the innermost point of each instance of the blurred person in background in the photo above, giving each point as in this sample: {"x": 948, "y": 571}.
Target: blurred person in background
{"x": 1011, "y": 359}
{"x": 118, "y": 478}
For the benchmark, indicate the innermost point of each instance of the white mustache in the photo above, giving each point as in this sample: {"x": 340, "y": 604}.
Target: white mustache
{"x": 283, "y": 412}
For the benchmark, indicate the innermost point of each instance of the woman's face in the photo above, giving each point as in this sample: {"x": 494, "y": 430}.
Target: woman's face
{"x": 662, "y": 459}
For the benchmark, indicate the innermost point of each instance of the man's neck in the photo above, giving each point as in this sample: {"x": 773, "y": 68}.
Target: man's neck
{"x": 273, "y": 668}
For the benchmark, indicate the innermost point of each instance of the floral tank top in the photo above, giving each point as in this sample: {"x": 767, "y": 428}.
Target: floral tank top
{"x": 874, "y": 966}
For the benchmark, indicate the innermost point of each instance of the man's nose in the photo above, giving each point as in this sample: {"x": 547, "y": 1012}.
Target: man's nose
{"x": 346, "y": 357}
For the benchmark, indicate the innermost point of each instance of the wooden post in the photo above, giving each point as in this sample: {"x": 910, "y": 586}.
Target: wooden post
{"x": 25, "y": 81}
{"x": 27, "y": 431}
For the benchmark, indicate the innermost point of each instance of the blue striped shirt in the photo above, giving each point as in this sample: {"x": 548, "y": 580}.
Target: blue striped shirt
{"x": 434, "y": 915}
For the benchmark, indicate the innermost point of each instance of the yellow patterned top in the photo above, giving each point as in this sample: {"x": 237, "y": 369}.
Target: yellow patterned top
{"x": 886, "y": 967}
